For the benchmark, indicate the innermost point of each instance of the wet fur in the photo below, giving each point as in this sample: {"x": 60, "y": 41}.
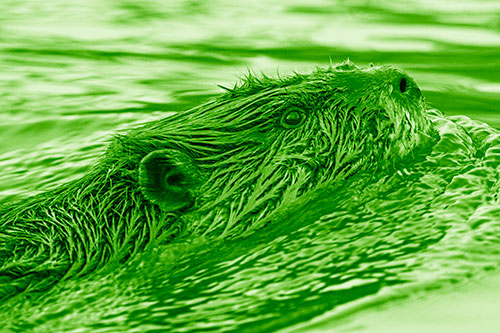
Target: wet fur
{"x": 248, "y": 166}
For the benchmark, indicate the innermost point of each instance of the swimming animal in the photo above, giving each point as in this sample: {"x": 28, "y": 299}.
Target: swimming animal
{"x": 221, "y": 169}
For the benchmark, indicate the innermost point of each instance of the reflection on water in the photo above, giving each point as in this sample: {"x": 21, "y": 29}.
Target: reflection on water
{"x": 73, "y": 72}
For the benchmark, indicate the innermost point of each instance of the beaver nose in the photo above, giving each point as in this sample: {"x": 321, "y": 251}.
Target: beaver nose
{"x": 406, "y": 86}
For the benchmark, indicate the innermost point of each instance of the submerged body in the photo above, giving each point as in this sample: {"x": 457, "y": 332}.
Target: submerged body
{"x": 222, "y": 169}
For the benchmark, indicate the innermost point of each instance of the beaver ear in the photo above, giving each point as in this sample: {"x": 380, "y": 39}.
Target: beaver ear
{"x": 168, "y": 178}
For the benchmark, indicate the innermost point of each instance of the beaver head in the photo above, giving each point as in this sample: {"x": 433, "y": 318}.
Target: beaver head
{"x": 219, "y": 169}
{"x": 267, "y": 141}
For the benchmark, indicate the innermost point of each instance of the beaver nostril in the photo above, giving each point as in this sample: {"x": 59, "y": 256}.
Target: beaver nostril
{"x": 402, "y": 85}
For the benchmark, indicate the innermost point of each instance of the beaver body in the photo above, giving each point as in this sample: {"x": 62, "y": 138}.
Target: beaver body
{"x": 219, "y": 170}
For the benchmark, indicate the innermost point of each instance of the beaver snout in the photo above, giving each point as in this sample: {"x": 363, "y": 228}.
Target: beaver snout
{"x": 406, "y": 85}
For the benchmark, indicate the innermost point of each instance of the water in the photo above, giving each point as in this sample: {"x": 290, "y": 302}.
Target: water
{"x": 73, "y": 73}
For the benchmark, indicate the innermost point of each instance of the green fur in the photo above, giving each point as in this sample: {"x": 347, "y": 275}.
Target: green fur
{"x": 249, "y": 166}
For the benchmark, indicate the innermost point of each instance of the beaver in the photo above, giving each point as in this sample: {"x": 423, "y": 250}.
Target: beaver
{"x": 218, "y": 170}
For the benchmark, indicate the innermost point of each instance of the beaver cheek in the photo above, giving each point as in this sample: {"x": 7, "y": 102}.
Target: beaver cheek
{"x": 168, "y": 178}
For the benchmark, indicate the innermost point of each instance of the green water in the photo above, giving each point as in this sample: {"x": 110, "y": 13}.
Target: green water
{"x": 72, "y": 73}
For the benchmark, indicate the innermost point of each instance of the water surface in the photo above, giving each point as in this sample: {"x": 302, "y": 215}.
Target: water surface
{"x": 72, "y": 73}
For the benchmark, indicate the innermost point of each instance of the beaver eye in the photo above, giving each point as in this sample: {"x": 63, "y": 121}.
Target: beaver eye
{"x": 293, "y": 117}
{"x": 402, "y": 85}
